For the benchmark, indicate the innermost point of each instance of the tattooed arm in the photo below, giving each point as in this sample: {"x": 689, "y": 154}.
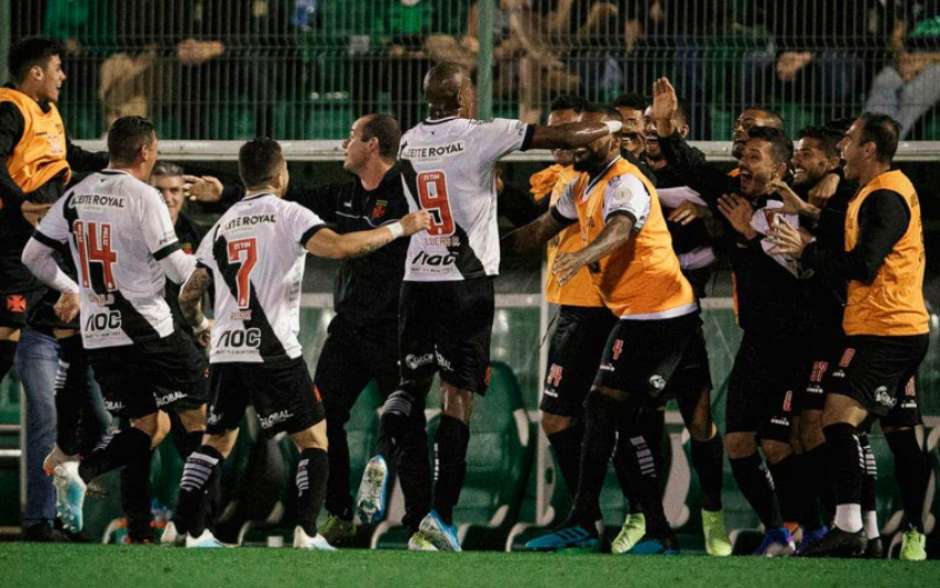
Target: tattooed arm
{"x": 191, "y": 304}
{"x": 530, "y": 238}
{"x": 330, "y": 244}
{"x": 617, "y": 231}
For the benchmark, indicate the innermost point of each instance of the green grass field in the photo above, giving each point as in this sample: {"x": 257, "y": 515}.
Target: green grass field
{"x": 112, "y": 566}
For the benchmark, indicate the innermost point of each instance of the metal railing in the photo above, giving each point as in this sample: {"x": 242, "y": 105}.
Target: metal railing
{"x": 304, "y": 69}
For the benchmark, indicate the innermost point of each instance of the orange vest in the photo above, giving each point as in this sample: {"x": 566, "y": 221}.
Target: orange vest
{"x": 40, "y": 154}
{"x": 893, "y": 304}
{"x": 641, "y": 279}
{"x": 580, "y": 290}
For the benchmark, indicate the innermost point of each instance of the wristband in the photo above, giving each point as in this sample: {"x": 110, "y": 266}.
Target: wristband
{"x": 202, "y": 328}
{"x": 396, "y": 229}
{"x": 613, "y": 126}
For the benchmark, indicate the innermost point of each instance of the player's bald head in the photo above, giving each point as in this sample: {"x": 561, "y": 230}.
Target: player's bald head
{"x": 443, "y": 86}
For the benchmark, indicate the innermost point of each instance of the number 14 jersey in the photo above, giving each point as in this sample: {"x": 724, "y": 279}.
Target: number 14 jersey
{"x": 448, "y": 169}
{"x": 256, "y": 255}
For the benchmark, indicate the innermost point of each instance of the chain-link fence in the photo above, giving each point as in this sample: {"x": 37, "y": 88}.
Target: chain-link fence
{"x": 304, "y": 69}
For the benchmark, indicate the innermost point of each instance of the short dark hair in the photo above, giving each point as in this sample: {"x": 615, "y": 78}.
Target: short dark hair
{"x": 567, "y": 102}
{"x": 598, "y": 108}
{"x": 126, "y": 137}
{"x": 770, "y": 112}
{"x": 259, "y": 161}
{"x": 631, "y": 100}
{"x": 385, "y": 128}
{"x": 828, "y": 138}
{"x": 780, "y": 146}
{"x": 166, "y": 168}
{"x": 28, "y": 52}
{"x": 883, "y": 131}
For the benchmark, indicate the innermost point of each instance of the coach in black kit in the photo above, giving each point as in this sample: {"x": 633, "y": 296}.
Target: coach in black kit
{"x": 362, "y": 343}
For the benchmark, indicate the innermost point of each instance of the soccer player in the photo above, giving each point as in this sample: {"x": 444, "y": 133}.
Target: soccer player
{"x": 655, "y": 350}
{"x": 255, "y": 253}
{"x": 446, "y": 312}
{"x": 886, "y": 328}
{"x": 121, "y": 239}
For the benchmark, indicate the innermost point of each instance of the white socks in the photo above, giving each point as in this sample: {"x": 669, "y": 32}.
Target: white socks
{"x": 849, "y": 517}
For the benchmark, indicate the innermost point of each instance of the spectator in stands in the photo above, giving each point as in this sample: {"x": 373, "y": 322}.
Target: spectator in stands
{"x": 908, "y": 88}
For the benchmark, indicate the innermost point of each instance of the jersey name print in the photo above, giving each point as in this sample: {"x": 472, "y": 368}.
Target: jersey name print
{"x": 117, "y": 229}
{"x": 256, "y": 255}
{"x": 447, "y": 169}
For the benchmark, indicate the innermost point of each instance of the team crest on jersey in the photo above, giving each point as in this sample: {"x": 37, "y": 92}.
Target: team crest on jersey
{"x": 187, "y": 248}
{"x": 618, "y": 349}
{"x": 883, "y": 398}
{"x": 378, "y": 211}
{"x": 16, "y": 303}
{"x": 788, "y": 401}
{"x": 554, "y": 375}
{"x": 847, "y": 356}
{"x": 657, "y": 382}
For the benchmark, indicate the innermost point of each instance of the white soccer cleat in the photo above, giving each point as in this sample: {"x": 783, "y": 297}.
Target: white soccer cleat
{"x": 171, "y": 537}
{"x": 55, "y": 458}
{"x": 304, "y": 541}
{"x": 373, "y": 490}
{"x": 70, "y": 495}
{"x": 205, "y": 541}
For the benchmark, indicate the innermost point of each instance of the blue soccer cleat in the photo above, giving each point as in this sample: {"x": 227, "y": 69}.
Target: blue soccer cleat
{"x": 373, "y": 491}
{"x": 777, "y": 543}
{"x": 811, "y": 538}
{"x": 655, "y": 546}
{"x": 574, "y": 537}
{"x": 70, "y": 495}
{"x": 440, "y": 534}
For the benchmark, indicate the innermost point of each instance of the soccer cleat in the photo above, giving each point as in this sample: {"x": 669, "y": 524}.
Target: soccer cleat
{"x": 337, "y": 531}
{"x": 419, "y": 542}
{"x": 439, "y": 533}
{"x": 205, "y": 541}
{"x": 811, "y": 538}
{"x": 55, "y": 458}
{"x": 171, "y": 537}
{"x": 370, "y": 503}
{"x": 634, "y": 527}
{"x": 70, "y": 495}
{"x": 656, "y": 546}
{"x": 574, "y": 537}
{"x": 874, "y": 549}
{"x": 912, "y": 546}
{"x": 315, "y": 543}
{"x": 777, "y": 543}
{"x": 838, "y": 543}
{"x": 717, "y": 542}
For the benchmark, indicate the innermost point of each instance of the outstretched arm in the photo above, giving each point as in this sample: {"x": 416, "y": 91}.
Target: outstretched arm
{"x": 572, "y": 135}
{"x": 530, "y": 238}
{"x": 190, "y": 299}
{"x": 330, "y": 244}
{"x": 617, "y": 231}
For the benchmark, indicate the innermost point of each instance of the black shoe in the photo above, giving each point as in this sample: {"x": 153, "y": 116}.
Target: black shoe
{"x": 838, "y": 543}
{"x": 874, "y": 549}
{"x": 43, "y": 533}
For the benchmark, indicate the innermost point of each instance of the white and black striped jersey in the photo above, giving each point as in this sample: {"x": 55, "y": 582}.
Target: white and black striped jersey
{"x": 256, "y": 255}
{"x": 117, "y": 228}
{"x": 447, "y": 169}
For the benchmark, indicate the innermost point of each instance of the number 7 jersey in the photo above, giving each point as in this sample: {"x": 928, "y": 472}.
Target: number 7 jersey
{"x": 256, "y": 255}
{"x": 117, "y": 228}
{"x": 448, "y": 169}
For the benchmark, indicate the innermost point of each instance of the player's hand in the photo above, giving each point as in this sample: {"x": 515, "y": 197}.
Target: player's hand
{"x": 665, "y": 105}
{"x": 792, "y": 203}
{"x": 34, "y": 211}
{"x": 786, "y": 240}
{"x": 67, "y": 307}
{"x": 416, "y": 221}
{"x": 56, "y": 457}
{"x": 688, "y": 212}
{"x": 202, "y": 188}
{"x": 738, "y": 211}
{"x": 204, "y": 337}
{"x": 824, "y": 190}
{"x": 566, "y": 266}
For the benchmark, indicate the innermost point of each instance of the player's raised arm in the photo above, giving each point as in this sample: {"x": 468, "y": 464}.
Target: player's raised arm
{"x": 330, "y": 244}
{"x": 571, "y": 135}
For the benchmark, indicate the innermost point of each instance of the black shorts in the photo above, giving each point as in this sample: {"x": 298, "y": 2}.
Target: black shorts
{"x": 906, "y": 413}
{"x": 283, "y": 396}
{"x": 875, "y": 370}
{"x": 16, "y": 306}
{"x": 446, "y": 327}
{"x": 574, "y": 355}
{"x": 822, "y": 348}
{"x": 761, "y": 387}
{"x": 352, "y": 356}
{"x": 654, "y": 360}
{"x": 137, "y": 380}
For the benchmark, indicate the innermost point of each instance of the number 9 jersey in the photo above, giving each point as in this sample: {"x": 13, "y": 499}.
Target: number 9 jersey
{"x": 447, "y": 169}
{"x": 256, "y": 255}
{"x": 118, "y": 229}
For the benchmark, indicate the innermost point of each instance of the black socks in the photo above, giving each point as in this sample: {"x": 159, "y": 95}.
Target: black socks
{"x": 453, "y": 436}
{"x": 121, "y": 449}
{"x": 312, "y": 472}
{"x": 755, "y": 483}
{"x": 707, "y": 460}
